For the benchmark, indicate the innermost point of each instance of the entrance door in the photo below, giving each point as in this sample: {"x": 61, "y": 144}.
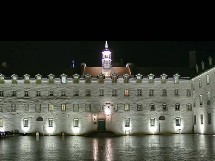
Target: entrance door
{"x": 101, "y": 125}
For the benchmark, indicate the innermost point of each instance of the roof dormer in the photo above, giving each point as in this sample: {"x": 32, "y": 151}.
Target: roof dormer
{"x": 63, "y": 78}
{"x": 14, "y": 78}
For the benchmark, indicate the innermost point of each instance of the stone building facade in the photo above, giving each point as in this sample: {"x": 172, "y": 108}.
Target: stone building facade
{"x": 107, "y": 98}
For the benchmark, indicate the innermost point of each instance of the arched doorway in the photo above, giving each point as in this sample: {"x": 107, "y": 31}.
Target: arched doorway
{"x": 39, "y": 124}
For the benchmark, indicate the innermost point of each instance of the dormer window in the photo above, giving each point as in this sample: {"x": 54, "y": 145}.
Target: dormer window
{"x": 126, "y": 78}
{"x": 14, "y": 79}
{"x": 101, "y": 78}
{"x": 75, "y": 78}
{"x": 51, "y": 78}
{"x": 63, "y": 78}
{"x": 114, "y": 78}
{"x": 88, "y": 78}
{"x": 163, "y": 78}
{"x": 139, "y": 78}
{"x": 151, "y": 78}
{"x": 2, "y": 79}
{"x": 38, "y": 78}
{"x": 26, "y": 79}
{"x": 176, "y": 78}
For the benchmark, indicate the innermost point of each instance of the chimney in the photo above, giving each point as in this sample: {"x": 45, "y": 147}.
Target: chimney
{"x": 192, "y": 59}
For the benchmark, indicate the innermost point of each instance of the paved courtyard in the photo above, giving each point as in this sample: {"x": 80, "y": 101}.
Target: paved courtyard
{"x": 123, "y": 148}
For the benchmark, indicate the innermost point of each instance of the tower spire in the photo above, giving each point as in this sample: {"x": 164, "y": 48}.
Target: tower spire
{"x": 106, "y": 45}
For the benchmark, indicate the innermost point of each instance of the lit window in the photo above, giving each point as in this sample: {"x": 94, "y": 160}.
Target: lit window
{"x": 50, "y": 107}
{"x": 26, "y": 93}
{"x": 200, "y": 100}
{"x": 63, "y": 107}
{"x": 177, "y": 107}
{"x": 50, "y": 122}
{"x": 75, "y": 122}
{"x": 176, "y": 78}
{"x": 25, "y": 122}
{"x": 1, "y": 93}
{"x": 126, "y": 93}
{"x": 63, "y": 78}
{"x": 101, "y": 92}
{"x": 188, "y": 92}
{"x": 114, "y": 92}
{"x": 176, "y": 92}
{"x": 152, "y": 107}
{"x": 75, "y": 108}
{"x": 87, "y": 107}
{"x": 13, "y": 93}
{"x": 178, "y": 121}
{"x": 76, "y": 92}
{"x": 164, "y": 92}
{"x": 88, "y": 92}
{"x": 139, "y": 107}
{"x": 189, "y": 107}
{"x": 127, "y": 122}
{"x": 13, "y": 108}
{"x": 151, "y": 92}
{"x": 139, "y": 92}
{"x": 164, "y": 107}
{"x": 38, "y": 93}
{"x": 207, "y": 79}
{"x": 201, "y": 118}
{"x": 127, "y": 107}
{"x": 194, "y": 121}
{"x": 209, "y": 118}
{"x": 1, "y": 122}
{"x": 152, "y": 121}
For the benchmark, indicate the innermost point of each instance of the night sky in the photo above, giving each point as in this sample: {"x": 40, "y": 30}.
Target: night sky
{"x": 47, "y": 57}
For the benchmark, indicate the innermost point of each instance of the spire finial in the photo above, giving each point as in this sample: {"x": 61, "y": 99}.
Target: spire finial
{"x": 106, "y": 45}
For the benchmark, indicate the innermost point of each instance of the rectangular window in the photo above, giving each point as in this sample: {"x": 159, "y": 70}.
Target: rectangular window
{"x": 151, "y": 92}
{"x": 13, "y": 93}
{"x": 164, "y": 107}
{"x": 200, "y": 82}
{"x": 188, "y": 92}
{"x": 127, "y": 122}
{"x": 38, "y": 94}
{"x": 63, "y": 93}
{"x": 200, "y": 100}
{"x": 194, "y": 101}
{"x": 88, "y": 92}
{"x": 207, "y": 79}
{"x": 176, "y": 92}
{"x": 26, "y": 107}
{"x": 115, "y": 107}
{"x": 87, "y": 107}
{"x": 13, "y": 108}
{"x": 75, "y": 122}
{"x": 1, "y": 93}
{"x": 25, "y": 122}
{"x": 178, "y": 121}
{"x": 63, "y": 107}
{"x": 209, "y": 118}
{"x": 152, "y": 121}
{"x": 139, "y": 107}
{"x": 76, "y": 92}
{"x": 50, "y": 107}
{"x": 1, "y": 122}
{"x": 75, "y": 108}
{"x": 51, "y": 93}
{"x": 193, "y": 85}
{"x": 26, "y": 94}
{"x": 201, "y": 118}
{"x": 50, "y": 122}
{"x": 189, "y": 107}
{"x": 208, "y": 98}
{"x": 139, "y": 92}
{"x": 114, "y": 92}
{"x": 152, "y": 107}
{"x": 194, "y": 121}
{"x": 101, "y": 92}
{"x": 38, "y": 108}
{"x": 127, "y": 107}
{"x": 126, "y": 92}
{"x": 164, "y": 92}
{"x": 177, "y": 107}
{"x": 1, "y": 108}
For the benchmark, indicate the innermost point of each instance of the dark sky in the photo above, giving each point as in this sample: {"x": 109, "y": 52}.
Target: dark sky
{"x": 54, "y": 56}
